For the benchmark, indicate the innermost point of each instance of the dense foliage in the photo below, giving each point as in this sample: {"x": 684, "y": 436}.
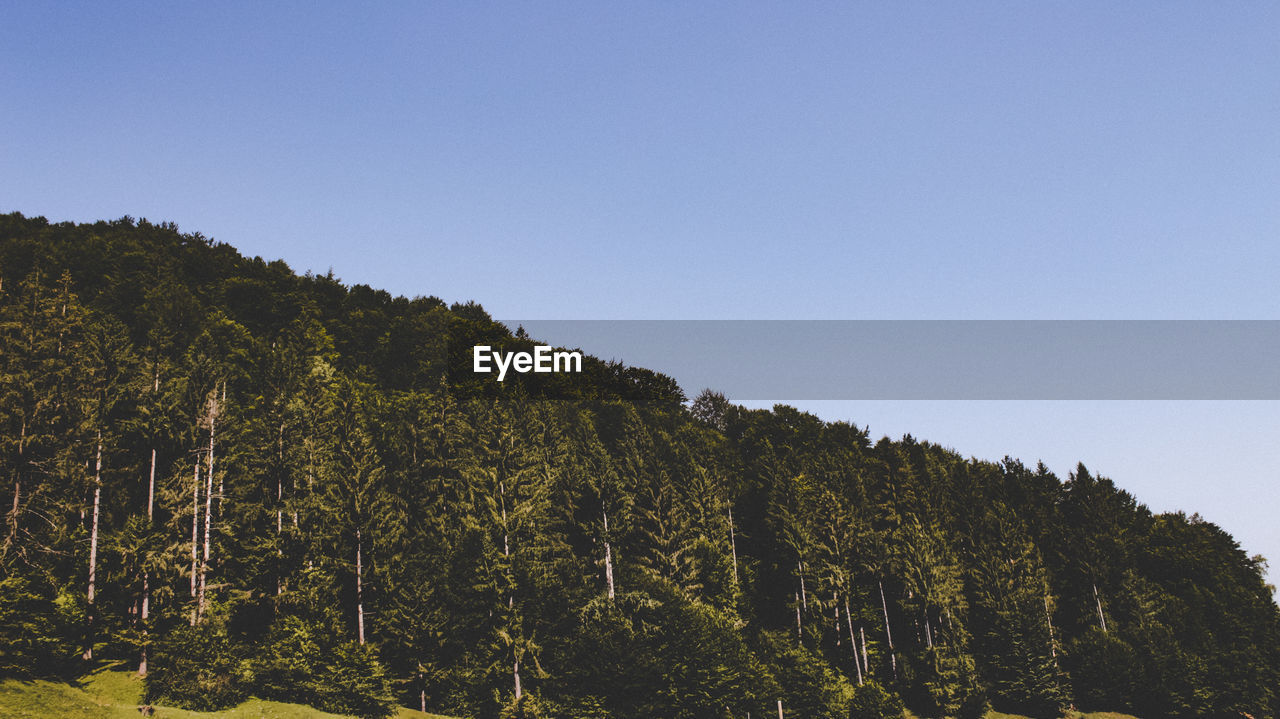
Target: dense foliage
{"x": 257, "y": 482}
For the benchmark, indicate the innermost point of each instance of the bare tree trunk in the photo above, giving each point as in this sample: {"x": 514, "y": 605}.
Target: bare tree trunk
{"x": 780, "y": 709}
{"x": 93, "y": 545}
{"x": 502, "y": 501}
{"x": 222, "y": 477}
{"x": 893, "y": 659}
{"x": 506, "y": 538}
{"x": 280, "y": 511}
{"x": 359, "y": 586}
{"x": 208, "y": 513}
{"x": 17, "y": 488}
{"x": 799, "y": 634}
{"x": 863, "y": 635}
{"x": 13, "y": 514}
{"x": 928, "y": 634}
{"x": 146, "y": 578}
{"x": 195, "y": 532}
{"x": 515, "y": 672}
{"x": 608, "y": 556}
{"x": 1048, "y": 618}
{"x": 1102, "y": 620}
{"x": 853, "y": 641}
{"x": 804, "y": 597}
{"x": 146, "y": 610}
{"x": 835, "y": 605}
{"x": 733, "y": 546}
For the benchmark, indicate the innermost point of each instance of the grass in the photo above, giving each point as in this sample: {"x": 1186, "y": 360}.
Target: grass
{"x": 1067, "y": 715}
{"x": 112, "y": 694}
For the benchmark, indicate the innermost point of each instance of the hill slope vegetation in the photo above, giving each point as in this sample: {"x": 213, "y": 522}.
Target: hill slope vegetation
{"x": 251, "y": 482}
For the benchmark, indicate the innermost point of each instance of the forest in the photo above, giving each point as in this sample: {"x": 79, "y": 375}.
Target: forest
{"x": 247, "y": 481}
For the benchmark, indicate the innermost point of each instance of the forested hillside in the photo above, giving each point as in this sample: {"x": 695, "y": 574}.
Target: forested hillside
{"x": 248, "y": 481}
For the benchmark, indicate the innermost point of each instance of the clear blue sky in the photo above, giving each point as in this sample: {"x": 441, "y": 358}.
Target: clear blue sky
{"x": 712, "y": 160}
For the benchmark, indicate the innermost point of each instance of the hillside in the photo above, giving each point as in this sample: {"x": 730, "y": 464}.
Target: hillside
{"x": 115, "y": 693}
{"x": 111, "y": 693}
{"x": 265, "y": 484}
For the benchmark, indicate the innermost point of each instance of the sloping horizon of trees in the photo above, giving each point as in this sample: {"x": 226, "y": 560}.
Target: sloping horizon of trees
{"x": 249, "y": 481}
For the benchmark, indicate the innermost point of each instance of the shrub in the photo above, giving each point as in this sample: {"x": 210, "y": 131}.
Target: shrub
{"x": 353, "y": 681}
{"x": 35, "y": 628}
{"x": 872, "y": 701}
{"x": 197, "y": 668}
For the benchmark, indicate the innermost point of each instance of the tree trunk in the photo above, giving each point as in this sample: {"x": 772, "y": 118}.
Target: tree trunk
{"x": 146, "y": 609}
{"x": 1102, "y": 620}
{"x": 208, "y": 513}
{"x": 893, "y": 659}
{"x": 733, "y": 547}
{"x": 280, "y": 511}
{"x": 780, "y": 709}
{"x": 146, "y": 578}
{"x": 863, "y": 635}
{"x": 804, "y": 597}
{"x": 13, "y": 515}
{"x": 1048, "y": 618}
{"x": 608, "y": 556}
{"x": 835, "y": 605}
{"x": 502, "y": 502}
{"x": 17, "y": 488}
{"x": 195, "y": 532}
{"x": 93, "y": 545}
{"x": 515, "y": 672}
{"x": 853, "y": 641}
{"x": 359, "y": 587}
{"x": 799, "y": 633}
{"x": 222, "y": 477}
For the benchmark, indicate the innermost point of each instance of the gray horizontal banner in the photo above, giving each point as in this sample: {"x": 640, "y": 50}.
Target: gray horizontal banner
{"x": 941, "y": 359}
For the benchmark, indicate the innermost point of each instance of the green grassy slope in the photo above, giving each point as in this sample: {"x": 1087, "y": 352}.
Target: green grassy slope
{"x": 111, "y": 694}
{"x": 1068, "y": 715}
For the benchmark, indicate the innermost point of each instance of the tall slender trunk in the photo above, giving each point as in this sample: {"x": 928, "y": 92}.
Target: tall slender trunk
{"x": 146, "y": 610}
{"x": 733, "y": 547}
{"x": 835, "y": 605}
{"x": 146, "y": 578}
{"x": 17, "y": 488}
{"x": 506, "y": 537}
{"x": 928, "y": 634}
{"x": 1102, "y": 620}
{"x": 780, "y": 709}
{"x": 93, "y": 545}
{"x": 1048, "y": 618}
{"x": 502, "y": 502}
{"x": 804, "y": 597}
{"x": 608, "y": 556}
{"x": 893, "y": 659}
{"x": 222, "y": 477}
{"x": 862, "y": 634}
{"x": 13, "y": 514}
{"x": 195, "y": 532}
{"x": 280, "y": 510}
{"x": 799, "y": 633}
{"x": 515, "y": 673}
{"x": 208, "y": 513}
{"x": 853, "y": 641}
{"x": 360, "y": 586}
